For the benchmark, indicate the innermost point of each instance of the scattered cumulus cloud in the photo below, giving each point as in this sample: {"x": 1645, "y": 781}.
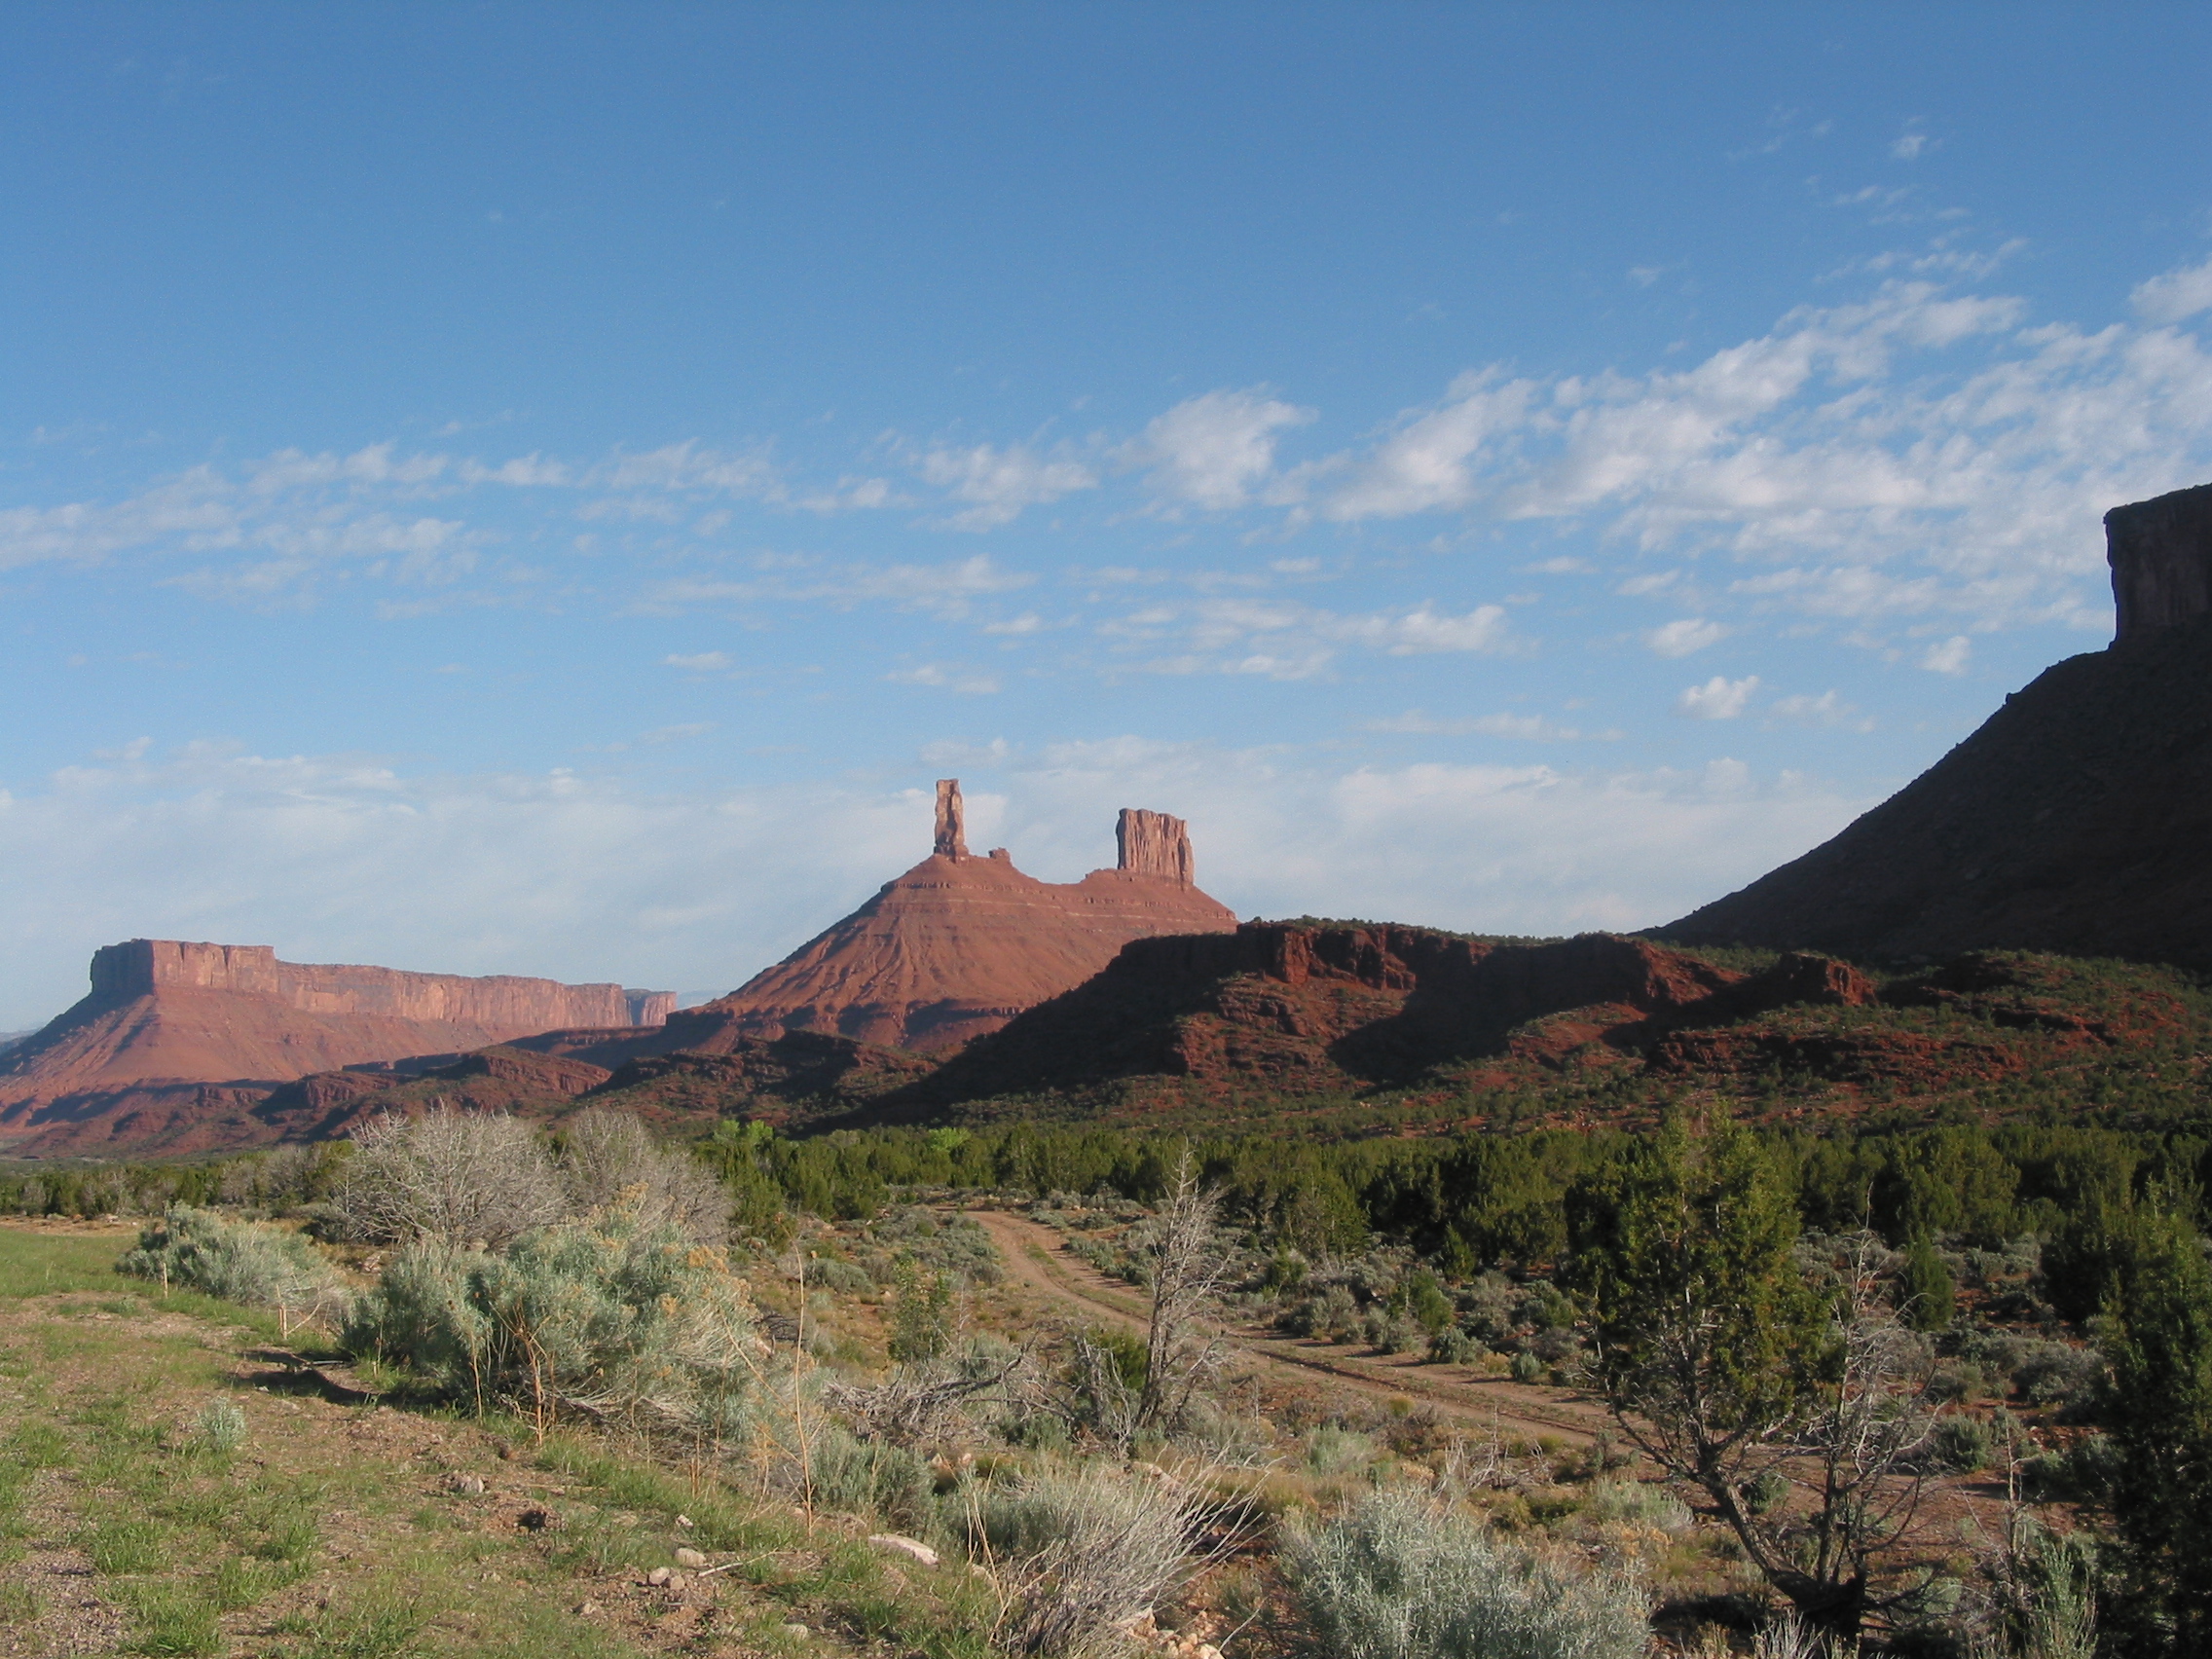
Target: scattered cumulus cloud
{"x": 1718, "y": 699}
{"x": 2175, "y": 296}
{"x": 699, "y": 662}
{"x": 1210, "y": 452}
{"x": 948, "y": 679}
{"x": 997, "y": 484}
{"x": 1949, "y": 657}
{"x": 1681, "y": 637}
{"x": 1828, "y": 709}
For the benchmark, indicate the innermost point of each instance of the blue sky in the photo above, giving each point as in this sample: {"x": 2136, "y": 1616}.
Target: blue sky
{"x": 545, "y": 490}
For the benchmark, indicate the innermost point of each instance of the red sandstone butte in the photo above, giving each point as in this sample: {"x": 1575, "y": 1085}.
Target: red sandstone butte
{"x": 960, "y": 944}
{"x": 172, "y": 1028}
{"x": 2075, "y": 820}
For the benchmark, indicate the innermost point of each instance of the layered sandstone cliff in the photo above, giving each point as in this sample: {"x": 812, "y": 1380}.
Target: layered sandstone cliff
{"x": 2075, "y": 820}
{"x": 186, "y": 1031}
{"x": 959, "y": 944}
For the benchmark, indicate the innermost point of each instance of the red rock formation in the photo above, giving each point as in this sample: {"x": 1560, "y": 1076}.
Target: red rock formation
{"x": 2160, "y": 554}
{"x": 167, "y": 1018}
{"x": 2075, "y": 820}
{"x": 958, "y": 945}
{"x": 1152, "y": 843}
{"x": 1298, "y": 1007}
{"x": 951, "y": 821}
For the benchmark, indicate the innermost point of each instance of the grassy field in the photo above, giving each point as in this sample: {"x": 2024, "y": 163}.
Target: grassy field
{"x": 164, "y": 1491}
{"x": 37, "y": 1262}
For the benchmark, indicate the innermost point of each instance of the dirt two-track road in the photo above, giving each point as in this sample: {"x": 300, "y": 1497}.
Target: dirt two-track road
{"x": 1038, "y": 1260}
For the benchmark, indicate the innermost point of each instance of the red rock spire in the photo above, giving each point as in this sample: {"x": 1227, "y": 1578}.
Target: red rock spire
{"x": 1152, "y": 843}
{"x": 951, "y": 821}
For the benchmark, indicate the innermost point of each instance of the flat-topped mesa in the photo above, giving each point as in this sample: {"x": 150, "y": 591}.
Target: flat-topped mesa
{"x": 146, "y": 967}
{"x": 960, "y": 944}
{"x": 1152, "y": 843}
{"x": 2160, "y": 554}
{"x": 179, "y": 1038}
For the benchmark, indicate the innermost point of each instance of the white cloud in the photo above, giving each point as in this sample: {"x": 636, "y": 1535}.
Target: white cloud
{"x": 699, "y": 662}
{"x": 1680, "y": 637}
{"x": 1428, "y": 462}
{"x": 1949, "y": 657}
{"x": 949, "y": 678}
{"x": 1828, "y": 709}
{"x": 1424, "y": 630}
{"x": 1530, "y": 728}
{"x": 338, "y": 859}
{"x": 2176, "y": 295}
{"x": 947, "y": 591}
{"x": 999, "y": 483}
{"x": 1907, "y": 146}
{"x": 1297, "y": 641}
{"x": 1210, "y": 451}
{"x": 1718, "y": 699}
{"x": 1920, "y": 449}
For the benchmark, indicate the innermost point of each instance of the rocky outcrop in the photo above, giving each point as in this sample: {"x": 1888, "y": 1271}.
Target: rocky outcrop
{"x": 2074, "y": 821}
{"x": 175, "y": 1037}
{"x": 951, "y": 821}
{"x": 1152, "y": 843}
{"x": 2160, "y": 554}
{"x": 958, "y": 945}
{"x": 1298, "y": 1009}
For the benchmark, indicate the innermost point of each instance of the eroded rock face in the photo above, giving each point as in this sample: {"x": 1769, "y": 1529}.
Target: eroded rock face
{"x": 1152, "y": 843}
{"x": 951, "y": 821}
{"x": 959, "y": 945}
{"x": 146, "y": 967}
{"x": 2160, "y": 554}
{"x": 176, "y": 1033}
{"x": 2075, "y": 820}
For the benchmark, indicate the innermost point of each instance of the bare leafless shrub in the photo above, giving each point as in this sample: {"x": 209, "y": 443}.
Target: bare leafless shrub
{"x": 930, "y": 1402}
{"x": 1081, "y": 1557}
{"x": 449, "y": 1178}
{"x": 1188, "y": 1266}
{"x": 609, "y": 1157}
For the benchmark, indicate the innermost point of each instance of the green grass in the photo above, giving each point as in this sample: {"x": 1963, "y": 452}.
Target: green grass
{"x": 46, "y": 1264}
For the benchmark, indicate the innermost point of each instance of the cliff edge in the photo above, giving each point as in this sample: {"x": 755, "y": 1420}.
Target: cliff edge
{"x": 2075, "y": 820}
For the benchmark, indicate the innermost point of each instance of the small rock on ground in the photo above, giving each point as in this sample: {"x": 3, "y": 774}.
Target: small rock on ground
{"x": 899, "y": 1543}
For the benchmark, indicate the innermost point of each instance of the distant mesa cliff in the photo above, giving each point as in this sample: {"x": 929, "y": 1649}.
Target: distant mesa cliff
{"x": 2076, "y": 819}
{"x": 960, "y": 944}
{"x": 174, "y": 1034}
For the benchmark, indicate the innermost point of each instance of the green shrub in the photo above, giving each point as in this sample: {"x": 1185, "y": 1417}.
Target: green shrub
{"x": 1454, "y": 1346}
{"x": 1334, "y": 1451}
{"x": 220, "y": 1426}
{"x": 1396, "y": 1579}
{"x": 605, "y": 1317}
{"x": 238, "y": 1261}
{"x": 1639, "y": 1504}
{"x": 870, "y": 1478}
{"x": 1528, "y": 1368}
{"x": 1960, "y": 1445}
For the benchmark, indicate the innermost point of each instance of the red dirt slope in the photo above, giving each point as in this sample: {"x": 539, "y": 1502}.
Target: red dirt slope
{"x": 960, "y": 944}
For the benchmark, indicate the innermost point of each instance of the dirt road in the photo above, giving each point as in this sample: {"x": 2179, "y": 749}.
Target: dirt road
{"x": 1037, "y": 1258}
